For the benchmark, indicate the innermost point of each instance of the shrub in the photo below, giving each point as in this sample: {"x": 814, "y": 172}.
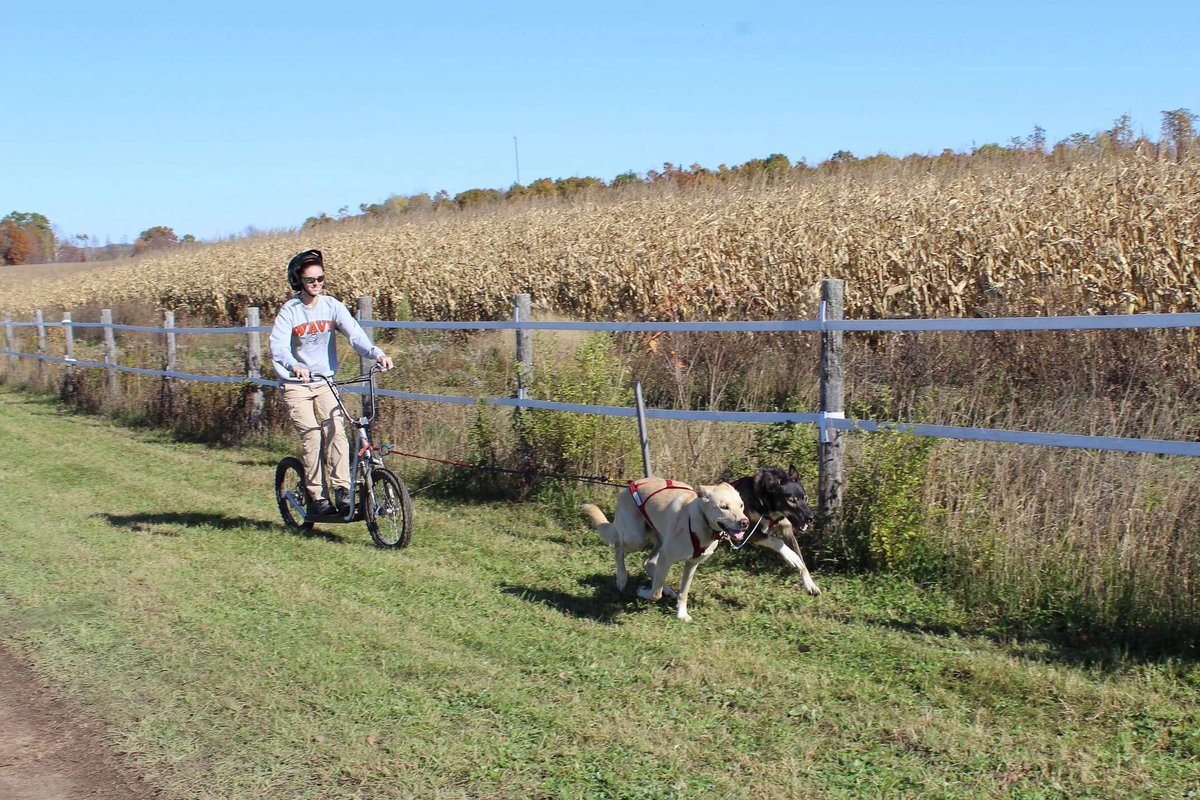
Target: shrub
{"x": 883, "y": 512}
{"x": 561, "y": 443}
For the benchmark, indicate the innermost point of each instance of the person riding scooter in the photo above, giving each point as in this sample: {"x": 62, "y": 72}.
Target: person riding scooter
{"x": 304, "y": 349}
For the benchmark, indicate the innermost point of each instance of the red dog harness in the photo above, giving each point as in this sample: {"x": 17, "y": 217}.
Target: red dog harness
{"x": 697, "y": 550}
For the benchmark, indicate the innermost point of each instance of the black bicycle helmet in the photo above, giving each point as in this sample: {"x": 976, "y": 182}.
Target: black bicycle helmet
{"x": 299, "y": 262}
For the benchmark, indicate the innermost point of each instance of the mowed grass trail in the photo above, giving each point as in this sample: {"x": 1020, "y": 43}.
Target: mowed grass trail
{"x": 493, "y": 658}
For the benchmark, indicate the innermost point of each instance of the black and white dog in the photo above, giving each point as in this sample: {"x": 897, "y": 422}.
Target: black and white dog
{"x": 777, "y": 506}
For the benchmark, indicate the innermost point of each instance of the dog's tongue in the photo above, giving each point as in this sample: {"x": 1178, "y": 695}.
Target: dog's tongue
{"x": 738, "y": 535}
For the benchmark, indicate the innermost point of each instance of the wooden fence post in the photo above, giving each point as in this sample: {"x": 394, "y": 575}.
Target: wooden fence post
{"x": 110, "y": 352}
{"x": 169, "y": 326}
{"x": 167, "y": 389}
{"x": 830, "y": 466}
{"x": 254, "y": 403}
{"x": 10, "y": 340}
{"x": 522, "y": 311}
{"x": 365, "y": 314}
{"x": 40, "y": 319}
{"x": 68, "y": 385}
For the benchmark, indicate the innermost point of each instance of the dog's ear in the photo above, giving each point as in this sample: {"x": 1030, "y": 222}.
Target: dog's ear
{"x": 793, "y": 475}
{"x": 766, "y": 480}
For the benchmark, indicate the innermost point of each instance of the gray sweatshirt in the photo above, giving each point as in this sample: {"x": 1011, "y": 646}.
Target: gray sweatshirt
{"x": 304, "y": 337}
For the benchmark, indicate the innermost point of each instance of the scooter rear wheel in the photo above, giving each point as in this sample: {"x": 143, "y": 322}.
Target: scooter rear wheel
{"x": 289, "y": 489}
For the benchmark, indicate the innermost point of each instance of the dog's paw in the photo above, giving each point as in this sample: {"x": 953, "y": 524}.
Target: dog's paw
{"x": 647, "y": 593}
{"x": 810, "y": 586}
{"x": 622, "y": 580}
{"x": 683, "y": 616}
{"x": 669, "y": 592}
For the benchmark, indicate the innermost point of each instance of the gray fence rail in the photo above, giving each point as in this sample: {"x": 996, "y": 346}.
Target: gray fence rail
{"x": 829, "y": 419}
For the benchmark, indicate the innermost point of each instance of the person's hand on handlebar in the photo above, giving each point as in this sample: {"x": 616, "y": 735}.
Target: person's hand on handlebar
{"x": 302, "y": 373}
{"x": 385, "y": 363}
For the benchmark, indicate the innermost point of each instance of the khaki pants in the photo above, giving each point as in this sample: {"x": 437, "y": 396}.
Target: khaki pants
{"x": 311, "y": 408}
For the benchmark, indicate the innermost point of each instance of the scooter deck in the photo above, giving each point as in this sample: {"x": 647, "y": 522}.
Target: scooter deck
{"x": 330, "y": 518}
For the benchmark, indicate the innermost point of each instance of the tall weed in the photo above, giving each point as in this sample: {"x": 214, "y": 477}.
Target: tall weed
{"x": 883, "y": 515}
{"x": 557, "y": 443}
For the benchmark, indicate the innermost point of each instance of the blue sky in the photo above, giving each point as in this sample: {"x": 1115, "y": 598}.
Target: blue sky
{"x": 214, "y": 117}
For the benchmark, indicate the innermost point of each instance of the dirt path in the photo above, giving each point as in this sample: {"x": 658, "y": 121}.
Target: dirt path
{"x": 50, "y": 749}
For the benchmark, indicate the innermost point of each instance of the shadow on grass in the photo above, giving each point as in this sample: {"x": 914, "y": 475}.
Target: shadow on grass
{"x": 605, "y": 604}
{"x": 899, "y": 604}
{"x": 43, "y": 401}
{"x": 1098, "y": 647}
{"x": 170, "y": 524}
{"x": 264, "y": 462}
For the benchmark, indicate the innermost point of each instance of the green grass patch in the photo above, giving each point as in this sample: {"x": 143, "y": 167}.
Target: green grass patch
{"x": 493, "y": 657}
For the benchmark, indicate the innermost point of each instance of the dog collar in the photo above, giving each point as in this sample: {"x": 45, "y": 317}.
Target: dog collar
{"x": 719, "y": 534}
{"x": 697, "y": 550}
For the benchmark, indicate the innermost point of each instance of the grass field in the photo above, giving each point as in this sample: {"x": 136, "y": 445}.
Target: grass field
{"x": 34, "y": 274}
{"x": 493, "y": 658}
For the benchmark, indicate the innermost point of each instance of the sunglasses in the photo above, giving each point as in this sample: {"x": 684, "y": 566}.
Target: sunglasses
{"x": 310, "y": 280}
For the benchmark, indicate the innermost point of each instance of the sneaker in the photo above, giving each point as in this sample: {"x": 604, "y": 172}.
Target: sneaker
{"x": 318, "y": 508}
{"x": 342, "y": 497}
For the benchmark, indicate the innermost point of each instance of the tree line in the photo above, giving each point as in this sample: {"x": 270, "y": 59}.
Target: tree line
{"x": 1178, "y": 141}
{"x": 29, "y": 238}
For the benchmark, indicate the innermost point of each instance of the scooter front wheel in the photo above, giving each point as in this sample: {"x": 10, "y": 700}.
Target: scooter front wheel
{"x": 388, "y": 513}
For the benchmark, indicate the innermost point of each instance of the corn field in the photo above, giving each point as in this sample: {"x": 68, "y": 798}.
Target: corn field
{"x": 1034, "y": 237}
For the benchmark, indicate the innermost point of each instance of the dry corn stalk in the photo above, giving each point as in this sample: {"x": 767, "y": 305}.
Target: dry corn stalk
{"x": 1101, "y": 237}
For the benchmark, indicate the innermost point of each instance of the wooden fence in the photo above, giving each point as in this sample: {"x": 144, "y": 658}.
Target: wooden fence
{"x": 829, "y": 417}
